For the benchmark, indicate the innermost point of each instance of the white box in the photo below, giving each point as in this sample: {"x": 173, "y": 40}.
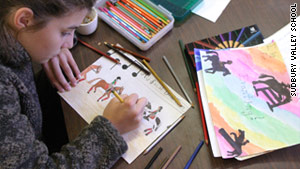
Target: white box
{"x": 130, "y": 37}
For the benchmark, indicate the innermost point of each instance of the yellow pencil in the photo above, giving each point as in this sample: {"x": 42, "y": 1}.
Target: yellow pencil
{"x": 118, "y": 96}
{"x": 161, "y": 82}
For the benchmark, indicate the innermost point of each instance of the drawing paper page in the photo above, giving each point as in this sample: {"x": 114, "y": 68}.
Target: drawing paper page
{"x": 249, "y": 100}
{"x": 126, "y": 78}
{"x": 209, "y": 124}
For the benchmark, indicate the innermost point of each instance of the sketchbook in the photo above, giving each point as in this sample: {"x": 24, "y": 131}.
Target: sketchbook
{"x": 92, "y": 94}
{"x": 248, "y": 100}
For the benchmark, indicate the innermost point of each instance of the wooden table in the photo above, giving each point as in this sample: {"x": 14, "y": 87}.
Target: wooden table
{"x": 269, "y": 15}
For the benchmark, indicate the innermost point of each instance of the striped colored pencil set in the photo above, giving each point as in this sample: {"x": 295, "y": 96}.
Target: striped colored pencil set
{"x": 140, "y": 21}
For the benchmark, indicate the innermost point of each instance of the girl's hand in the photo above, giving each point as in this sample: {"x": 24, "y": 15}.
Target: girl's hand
{"x": 125, "y": 116}
{"x": 53, "y": 68}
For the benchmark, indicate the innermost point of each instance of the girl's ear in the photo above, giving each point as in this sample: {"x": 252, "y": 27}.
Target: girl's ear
{"x": 23, "y": 18}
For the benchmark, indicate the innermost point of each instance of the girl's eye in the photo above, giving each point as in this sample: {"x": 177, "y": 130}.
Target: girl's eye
{"x": 65, "y": 33}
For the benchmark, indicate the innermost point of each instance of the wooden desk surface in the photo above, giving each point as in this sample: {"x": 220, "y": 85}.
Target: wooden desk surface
{"x": 269, "y": 15}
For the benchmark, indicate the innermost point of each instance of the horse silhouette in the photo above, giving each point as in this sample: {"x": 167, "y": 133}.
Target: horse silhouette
{"x": 280, "y": 93}
{"x": 216, "y": 64}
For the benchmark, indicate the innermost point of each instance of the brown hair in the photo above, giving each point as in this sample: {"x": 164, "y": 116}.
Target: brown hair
{"x": 43, "y": 9}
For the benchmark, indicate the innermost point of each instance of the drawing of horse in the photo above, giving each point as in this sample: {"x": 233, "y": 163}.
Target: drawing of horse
{"x": 94, "y": 68}
{"x": 108, "y": 87}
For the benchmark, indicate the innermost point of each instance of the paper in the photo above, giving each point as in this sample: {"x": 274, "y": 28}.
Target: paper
{"x": 249, "y": 101}
{"x": 211, "y": 9}
{"x": 283, "y": 41}
{"x": 92, "y": 94}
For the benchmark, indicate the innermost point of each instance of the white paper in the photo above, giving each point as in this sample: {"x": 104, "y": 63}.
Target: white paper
{"x": 211, "y": 9}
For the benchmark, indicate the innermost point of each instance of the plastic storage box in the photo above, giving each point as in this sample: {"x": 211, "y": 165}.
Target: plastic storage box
{"x": 130, "y": 37}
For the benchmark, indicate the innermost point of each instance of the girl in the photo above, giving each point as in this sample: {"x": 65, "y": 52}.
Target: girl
{"x": 42, "y": 31}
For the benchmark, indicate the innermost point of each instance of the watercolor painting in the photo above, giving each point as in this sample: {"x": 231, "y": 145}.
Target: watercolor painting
{"x": 247, "y": 91}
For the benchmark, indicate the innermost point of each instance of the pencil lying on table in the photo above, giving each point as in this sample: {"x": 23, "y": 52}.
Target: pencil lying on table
{"x": 162, "y": 83}
{"x": 98, "y": 51}
{"x": 130, "y": 52}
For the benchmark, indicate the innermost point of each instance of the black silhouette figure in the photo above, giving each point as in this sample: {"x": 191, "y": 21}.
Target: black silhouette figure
{"x": 150, "y": 115}
{"x": 236, "y": 144}
{"x": 216, "y": 64}
{"x": 280, "y": 93}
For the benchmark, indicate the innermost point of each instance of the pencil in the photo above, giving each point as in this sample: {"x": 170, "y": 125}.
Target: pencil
{"x": 177, "y": 80}
{"x": 202, "y": 115}
{"x": 153, "y": 10}
{"x": 130, "y": 52}
{"x": 162, "y": 83}
{"x": 98, "y": 51}
{"x": 157, "y": 140}
{"x": 236, "y": 43}
{"x": 172, "y": 157}
{"x": 217, "y": 42}
{"x": 194, "y": 155}
{"x": 223, "y": 40}
{"x": 129, "y": 59}
{"x": 187, "y": 65}
{"x": 230, "y": 40}
{"x": 118, "y": 96}
{"x": 154, "y": 158}
{"x": 207, "y": 45}
{"x": 250, "y": 39}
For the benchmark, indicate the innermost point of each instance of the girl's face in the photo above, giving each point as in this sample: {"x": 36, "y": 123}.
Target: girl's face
{"x": 47, "y": 42}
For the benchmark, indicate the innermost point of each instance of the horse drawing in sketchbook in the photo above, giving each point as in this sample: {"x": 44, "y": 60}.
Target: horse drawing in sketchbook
{"x": 277, "y": 93}
{"x": 216, "y": 64}
{"x": 152, "y": 117}
{"x": 108, "y": 87}
{"x": 94, "y": 68}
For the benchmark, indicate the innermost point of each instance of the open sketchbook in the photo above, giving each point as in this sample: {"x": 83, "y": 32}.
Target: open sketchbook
{"x": 92, "y": 94}
{"x": 248, "y": 101}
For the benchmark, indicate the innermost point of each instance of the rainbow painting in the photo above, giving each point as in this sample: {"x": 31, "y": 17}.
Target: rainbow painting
{"x": 249, "y": 100}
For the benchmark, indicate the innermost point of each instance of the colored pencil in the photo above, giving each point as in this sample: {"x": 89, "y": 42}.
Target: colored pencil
{"x": 128, "y": 29}
{"x": 250, "y": 39}
{"x": 153, "y": 10}
{"x": 138, "y": 15}
{"x": 163, "y": 163}
{"x": 135, "y": 18}
{"x": 223, "y": 40}
{"x": 130, "y": 52}
{"x": 172, "y": 157}
{"x": 118, "y": 96}
{"x": 236, "y": 43}
{"x": 187, "y": 65}
{"x": 98, "y": 51}
{"x": 230, "y": 40}
{"x": 143, "y": 12}
{"x": 217, "y": 42}
{"x": 128, "y": 20}
{"x": 154, "y": 158}
{"x": 126, "y": 25}
{"x": 162, "y": 83}
{"x": 177, "y": 80}
{"x": 194, "y": 155}
{"x": 207, "y": 45}
{"x": 149, "y": 11}
{"x": 202, "y": 114}
{"x": 159, "y": 138}
{"x": 140, "y": 66}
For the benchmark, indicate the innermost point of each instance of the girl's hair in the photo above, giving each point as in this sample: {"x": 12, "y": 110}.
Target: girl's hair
{"x": 43, "y": 9}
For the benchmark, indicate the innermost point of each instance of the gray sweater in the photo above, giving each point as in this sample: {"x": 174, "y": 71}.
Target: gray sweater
{"x": 99, "y": 145}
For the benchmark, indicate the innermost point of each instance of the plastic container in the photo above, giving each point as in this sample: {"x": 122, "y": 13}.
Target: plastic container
{"x": 130, "y": 37}
{"x": 180, "y": 9}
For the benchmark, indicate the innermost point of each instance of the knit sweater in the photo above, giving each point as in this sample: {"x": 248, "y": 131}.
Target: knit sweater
{"x": 99, "y": 145}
